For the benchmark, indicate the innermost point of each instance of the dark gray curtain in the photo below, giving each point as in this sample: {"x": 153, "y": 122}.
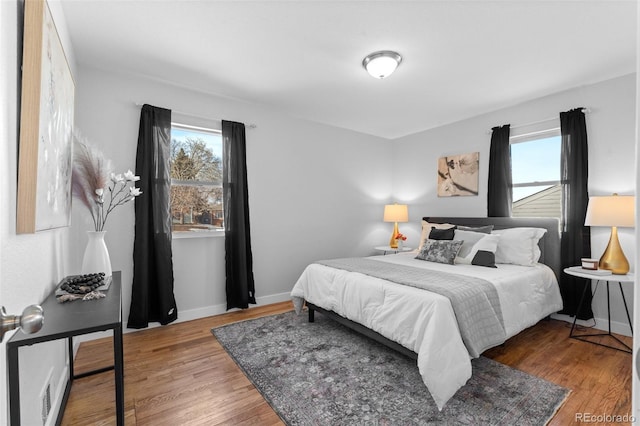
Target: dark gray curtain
{"x": 575, "y": 241}
{"x": 238, "y": 257}
{"x": 499, "y": 192}
{"x": 152, "y": 298}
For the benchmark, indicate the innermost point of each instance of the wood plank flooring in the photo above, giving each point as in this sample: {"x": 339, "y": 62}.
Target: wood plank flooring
{"x": 180, "y": 375}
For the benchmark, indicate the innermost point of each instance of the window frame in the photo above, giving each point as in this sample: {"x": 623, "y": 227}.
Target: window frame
{"x": 195, "y": 124}
{"x": 530, "y": 137}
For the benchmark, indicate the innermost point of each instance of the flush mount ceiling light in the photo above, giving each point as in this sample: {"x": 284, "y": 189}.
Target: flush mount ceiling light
{"x": 381, "y": 64}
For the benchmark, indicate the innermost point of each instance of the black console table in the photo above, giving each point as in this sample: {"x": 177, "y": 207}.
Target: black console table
{"x": 63, "y": 321}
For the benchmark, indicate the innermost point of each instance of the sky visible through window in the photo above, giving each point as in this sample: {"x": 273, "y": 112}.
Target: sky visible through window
{"x": 536, "y": 160}
{"x": 213, "y": 140}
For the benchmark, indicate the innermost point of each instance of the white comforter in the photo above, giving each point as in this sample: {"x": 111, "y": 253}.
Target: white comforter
{"x": 424, "y": 322}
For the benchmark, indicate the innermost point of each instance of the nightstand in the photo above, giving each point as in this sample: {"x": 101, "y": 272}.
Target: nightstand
{"x": 578, "y": 271}
{"x": 387, "y": 249}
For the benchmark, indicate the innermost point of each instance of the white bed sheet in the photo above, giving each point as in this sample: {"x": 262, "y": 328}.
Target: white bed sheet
{"x": 424, "y": 322}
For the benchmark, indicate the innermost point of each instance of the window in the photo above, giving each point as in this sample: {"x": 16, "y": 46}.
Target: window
{"x": 535, "y": 168}
{"x": 196, "y": 179}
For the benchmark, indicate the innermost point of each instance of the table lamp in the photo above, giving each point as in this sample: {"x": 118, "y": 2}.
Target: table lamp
{"x": 395, "y": 213}
{"x": 614, "y": 211}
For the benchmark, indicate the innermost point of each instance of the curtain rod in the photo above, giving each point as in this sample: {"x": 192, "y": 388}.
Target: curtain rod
{"x": 515, "y": 138}
{"x": 557, "y": 117}
{"x": 250, "y": 126}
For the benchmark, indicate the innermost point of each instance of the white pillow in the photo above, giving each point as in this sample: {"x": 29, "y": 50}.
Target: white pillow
{"x": 488, "y": 243}
{"x": 468, "y": 238}
{"x": 426, "y": 228}
{"x": 519, "y": 246}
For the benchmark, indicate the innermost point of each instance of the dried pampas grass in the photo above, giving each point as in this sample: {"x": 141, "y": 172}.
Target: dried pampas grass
{"x": 95, "y": 186}
{"x": 90, "y": 173}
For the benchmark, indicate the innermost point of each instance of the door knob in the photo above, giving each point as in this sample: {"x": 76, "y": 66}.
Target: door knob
{"x": 30, "y": 321}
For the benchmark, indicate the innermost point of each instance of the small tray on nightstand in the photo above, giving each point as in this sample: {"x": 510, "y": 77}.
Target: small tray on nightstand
{"x": 594, "y": 272}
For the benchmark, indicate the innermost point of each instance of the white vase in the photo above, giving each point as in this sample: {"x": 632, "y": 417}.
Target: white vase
{"x": 96, "y": 256}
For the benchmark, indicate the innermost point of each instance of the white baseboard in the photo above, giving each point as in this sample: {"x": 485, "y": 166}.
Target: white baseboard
{"x": 207, "y": 311}
{"x": 600, "y": 324}
{"x": 183, "y": 316}
{"x": 274, "y": 298}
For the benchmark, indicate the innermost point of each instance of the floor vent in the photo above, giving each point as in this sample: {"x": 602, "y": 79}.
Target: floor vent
{"x": 45, "y": 400}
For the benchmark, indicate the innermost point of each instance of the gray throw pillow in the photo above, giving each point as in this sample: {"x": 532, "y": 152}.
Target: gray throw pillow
{"x": 484, "y": 229}
{"x": 440, "y": 251}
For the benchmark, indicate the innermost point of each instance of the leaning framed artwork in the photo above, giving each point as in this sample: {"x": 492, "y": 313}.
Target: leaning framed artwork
{"x": 458, "y": 175}
{"x": 46, "y": 125}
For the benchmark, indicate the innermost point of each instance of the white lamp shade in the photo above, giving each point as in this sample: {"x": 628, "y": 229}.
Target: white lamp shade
{"x": 396, "y": 213}
{"x": 612, "y": 210}
{"x": 381, "y": 64}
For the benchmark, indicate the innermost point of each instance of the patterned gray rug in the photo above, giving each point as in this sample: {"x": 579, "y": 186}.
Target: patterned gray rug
{"x": 323, "y": 373}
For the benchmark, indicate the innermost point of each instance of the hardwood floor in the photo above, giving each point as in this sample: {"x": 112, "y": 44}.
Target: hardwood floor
{"x": 180, "y": 375}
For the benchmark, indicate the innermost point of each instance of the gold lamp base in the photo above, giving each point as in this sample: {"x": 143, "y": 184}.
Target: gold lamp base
{"x": 393, "y": 243}
{"x": 613, "y": 259}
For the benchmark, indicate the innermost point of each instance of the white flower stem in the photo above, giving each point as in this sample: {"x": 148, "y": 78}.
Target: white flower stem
{"x": 116, "y": 199}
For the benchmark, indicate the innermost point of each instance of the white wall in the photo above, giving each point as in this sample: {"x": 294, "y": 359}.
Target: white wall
{"x": 314, "y": 191}
{"x": 611, "y": 137}
{"x": 30, "y": 265}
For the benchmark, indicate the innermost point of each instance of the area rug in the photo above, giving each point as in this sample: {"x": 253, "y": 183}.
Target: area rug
{"x": 323, "y": 373}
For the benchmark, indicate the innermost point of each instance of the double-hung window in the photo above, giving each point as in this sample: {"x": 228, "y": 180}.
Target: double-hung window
{"x": 196, "y": 179}
{"x": 535, "y": 168}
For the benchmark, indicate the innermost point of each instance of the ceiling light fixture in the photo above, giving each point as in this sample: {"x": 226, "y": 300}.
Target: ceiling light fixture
{"x": 381, "y": 64}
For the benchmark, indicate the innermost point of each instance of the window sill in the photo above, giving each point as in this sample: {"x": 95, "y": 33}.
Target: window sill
{"x": 196, "y": 234}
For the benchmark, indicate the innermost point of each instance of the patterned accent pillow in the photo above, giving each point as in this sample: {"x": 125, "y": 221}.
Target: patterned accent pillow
{"x": 440, "y": 251}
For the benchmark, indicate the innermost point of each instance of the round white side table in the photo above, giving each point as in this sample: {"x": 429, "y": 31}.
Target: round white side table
{"x": 387, "y": 249}
{"x": 578, "y": 271}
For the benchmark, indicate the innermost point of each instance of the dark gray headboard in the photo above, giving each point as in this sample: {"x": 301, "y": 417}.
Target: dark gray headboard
{"x": 549, "y": 244}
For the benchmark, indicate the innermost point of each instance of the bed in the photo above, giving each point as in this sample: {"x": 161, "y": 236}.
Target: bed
{"x": 430, "y": 310}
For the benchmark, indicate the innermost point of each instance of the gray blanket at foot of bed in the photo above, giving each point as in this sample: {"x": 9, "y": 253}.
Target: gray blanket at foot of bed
{"x": 475, "y": 301}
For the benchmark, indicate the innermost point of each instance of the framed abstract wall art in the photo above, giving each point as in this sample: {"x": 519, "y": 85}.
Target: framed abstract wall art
{"x": 46, "y": 125}
{"x": 458, "y": 175}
